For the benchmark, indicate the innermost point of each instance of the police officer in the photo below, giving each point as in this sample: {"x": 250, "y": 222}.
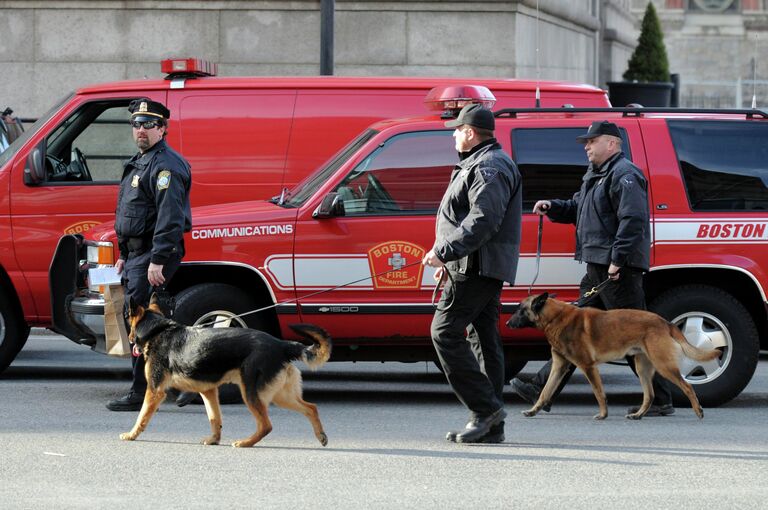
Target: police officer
{"x": 613, "y": 236}
{"x": 478, "y": 245}
{"x": 153, "y": 212}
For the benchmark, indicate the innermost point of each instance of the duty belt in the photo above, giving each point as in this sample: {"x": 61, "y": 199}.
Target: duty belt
{"x": 138, "y": 245}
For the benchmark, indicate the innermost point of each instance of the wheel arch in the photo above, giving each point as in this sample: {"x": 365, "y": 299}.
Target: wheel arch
{"x": 246, "y": 278}
{"x": 9, "y": 290}
{"x": 738, "y": 282}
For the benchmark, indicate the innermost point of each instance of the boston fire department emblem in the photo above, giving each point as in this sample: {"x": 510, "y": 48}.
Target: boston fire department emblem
{"x": 395, "y": 263}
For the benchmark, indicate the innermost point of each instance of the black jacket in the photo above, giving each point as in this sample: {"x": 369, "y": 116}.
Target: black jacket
{"x": 480, "y": 216}
{"x": 153, "y": 202}
{"x": 611, "y": 215}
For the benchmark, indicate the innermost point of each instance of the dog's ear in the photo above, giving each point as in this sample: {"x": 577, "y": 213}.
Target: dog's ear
{"x": 539, "y": 302}
{"x": 153, "y": 299}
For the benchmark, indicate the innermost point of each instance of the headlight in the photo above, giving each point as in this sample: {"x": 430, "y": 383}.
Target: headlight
{"x": 99, "y": 254}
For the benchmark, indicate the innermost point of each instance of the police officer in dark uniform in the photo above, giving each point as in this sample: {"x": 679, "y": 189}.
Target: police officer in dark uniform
{"x": 153, "y": 212}
{"x": 477, "y": 246}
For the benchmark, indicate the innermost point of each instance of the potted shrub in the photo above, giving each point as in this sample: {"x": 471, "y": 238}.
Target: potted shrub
{"x": 647, "y": 76}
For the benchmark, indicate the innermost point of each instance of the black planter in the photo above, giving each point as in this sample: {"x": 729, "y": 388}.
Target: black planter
{"x": 657, "y": 93}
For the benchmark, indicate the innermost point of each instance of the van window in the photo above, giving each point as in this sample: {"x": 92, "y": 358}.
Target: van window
{"x": 551, "y": 162}
{"x": 90, "y": 145}
{"x": 724, "y": 163}
{"x": 408, "y": 174}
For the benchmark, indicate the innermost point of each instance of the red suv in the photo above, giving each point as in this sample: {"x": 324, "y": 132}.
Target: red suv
{"x": 368, "y": 214}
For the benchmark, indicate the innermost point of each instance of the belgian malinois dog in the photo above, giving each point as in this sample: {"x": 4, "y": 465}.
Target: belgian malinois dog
{"x": 202, "y": 359}
{"x": 587, "y": 337}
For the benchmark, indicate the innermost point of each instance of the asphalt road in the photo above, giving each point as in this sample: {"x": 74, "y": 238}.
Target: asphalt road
{"x": 385, "y": 422}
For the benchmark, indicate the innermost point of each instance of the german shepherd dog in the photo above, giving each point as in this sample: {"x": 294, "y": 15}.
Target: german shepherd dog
{"x": 587, "y": 337}
{"x": 202, "y": 359}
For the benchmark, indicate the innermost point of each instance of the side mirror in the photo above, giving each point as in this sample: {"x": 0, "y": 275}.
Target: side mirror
{"x": 34, "y": 171}
{"x": 332, "y": 205}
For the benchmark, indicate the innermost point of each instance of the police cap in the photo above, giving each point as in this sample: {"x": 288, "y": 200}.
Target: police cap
{"x": 145, "y": 109}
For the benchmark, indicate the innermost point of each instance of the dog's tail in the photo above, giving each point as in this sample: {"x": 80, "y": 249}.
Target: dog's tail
{"x": 315, "y": 356}
{"x": 689, "y": 350}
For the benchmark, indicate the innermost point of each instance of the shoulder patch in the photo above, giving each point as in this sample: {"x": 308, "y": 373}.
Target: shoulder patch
{"x": 488, "y": 172}
{"x": 163, "y": 179}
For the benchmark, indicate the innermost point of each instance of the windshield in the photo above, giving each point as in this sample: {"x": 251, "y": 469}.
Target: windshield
{"x": 305, "y": 189}
{"x": 27, "y": 134}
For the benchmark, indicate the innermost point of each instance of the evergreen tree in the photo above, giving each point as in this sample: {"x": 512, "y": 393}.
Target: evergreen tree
{"x": 649, "y": 60}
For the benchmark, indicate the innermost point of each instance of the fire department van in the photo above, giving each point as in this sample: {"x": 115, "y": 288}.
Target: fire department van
{"x": 340, "y": 249}
{"x": 246, "y": 138}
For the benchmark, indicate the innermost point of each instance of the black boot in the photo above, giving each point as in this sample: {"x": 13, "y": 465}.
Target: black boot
{"x": 479, "y": 429}
{"x": 187, "y": 397}
{"x": 130, "y": 402}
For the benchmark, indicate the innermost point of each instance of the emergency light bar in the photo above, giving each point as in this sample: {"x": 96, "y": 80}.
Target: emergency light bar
{"x": 174, "y": 67}
{"x": 452, "y": 98}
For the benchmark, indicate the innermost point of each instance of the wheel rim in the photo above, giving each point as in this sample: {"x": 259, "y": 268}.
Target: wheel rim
{"x": 704, "y": 331}
{"x": 221, "y": 319}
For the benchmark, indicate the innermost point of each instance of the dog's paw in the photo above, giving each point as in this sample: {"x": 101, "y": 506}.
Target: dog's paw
{"x": 529, "y": 413}
{"x": 634, "y": 416}
{"x": 210, "y": 441}
{"x": 242, "y": 444}
{"x": 599, "y": 416}
{"x": 127, "y": 436}
{"x": 323, "y": 439}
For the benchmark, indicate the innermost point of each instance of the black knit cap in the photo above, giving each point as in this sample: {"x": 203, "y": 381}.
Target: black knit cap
{"x": 145, "y": 109}
{"x": 474, "y": 115}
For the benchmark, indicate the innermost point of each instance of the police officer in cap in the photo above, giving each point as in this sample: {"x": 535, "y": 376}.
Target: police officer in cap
{"x": 153, "y": 212}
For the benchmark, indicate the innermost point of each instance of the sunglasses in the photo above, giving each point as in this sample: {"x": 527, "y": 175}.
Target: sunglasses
{"x": 147, "y": 124}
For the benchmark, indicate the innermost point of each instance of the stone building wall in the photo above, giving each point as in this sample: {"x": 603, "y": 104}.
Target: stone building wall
{"x": 48, "y": 48}
{"x": 718, "y": 47}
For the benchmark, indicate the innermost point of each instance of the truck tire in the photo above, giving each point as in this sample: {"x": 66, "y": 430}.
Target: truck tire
{"x": 218, "y": 303}
{"x": 13, "y": 332}
{"x": 207, "y": 303}
{"x": 712, "y": 318}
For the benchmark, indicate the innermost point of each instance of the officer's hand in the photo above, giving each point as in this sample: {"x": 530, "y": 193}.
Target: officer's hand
{"x": 613, "y": 272}
{"x": 119, "y": 266}
{"x": 541, "y": 207}
{"x": 155, "y": 274}
{"x": 439, "y": 274}
{"x": 430, "y": 259}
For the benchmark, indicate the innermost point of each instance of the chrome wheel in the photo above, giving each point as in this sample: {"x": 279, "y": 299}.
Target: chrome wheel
{"x": 221, "y": 319}
{"x": 704, "y": 331}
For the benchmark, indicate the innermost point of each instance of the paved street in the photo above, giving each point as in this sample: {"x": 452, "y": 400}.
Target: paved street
{"x": 385, "y": 422}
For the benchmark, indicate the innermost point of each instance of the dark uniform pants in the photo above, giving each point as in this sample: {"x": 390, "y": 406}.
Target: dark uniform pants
{"x": 626, "y": 292}
{"x": 137, "y": 286}
{"x": 466, "y": 339}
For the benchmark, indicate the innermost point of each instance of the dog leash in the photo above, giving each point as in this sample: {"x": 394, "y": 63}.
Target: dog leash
{"x": 592, "y": 293}
{"x": 437, "y": 287}
{"x": 538, "y": 254}
{"x": 287, "y": 301}
{"x": 585, "y": 298}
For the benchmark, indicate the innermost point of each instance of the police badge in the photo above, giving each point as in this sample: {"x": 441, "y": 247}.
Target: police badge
{"x": 163, "y": 180}
{"x": 135, "y": 181}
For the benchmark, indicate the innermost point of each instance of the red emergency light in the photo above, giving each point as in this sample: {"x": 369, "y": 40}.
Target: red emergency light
{"x": 453, "y": 98}
{"x": 188, "y": 67}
